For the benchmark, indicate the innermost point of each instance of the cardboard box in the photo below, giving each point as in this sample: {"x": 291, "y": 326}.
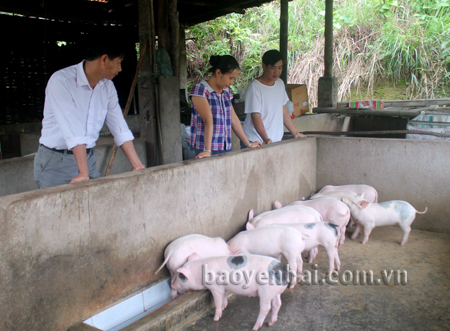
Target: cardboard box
{"x": 371, "y": 104}
{"x": 298, "y": 94}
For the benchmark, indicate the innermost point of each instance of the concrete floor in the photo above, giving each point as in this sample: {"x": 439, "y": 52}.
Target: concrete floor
{"x": 423, "y": 303}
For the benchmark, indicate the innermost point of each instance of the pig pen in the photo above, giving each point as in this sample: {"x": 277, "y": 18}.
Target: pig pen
{"x": 409, "y": 290}
{"x": 68, "y": 253}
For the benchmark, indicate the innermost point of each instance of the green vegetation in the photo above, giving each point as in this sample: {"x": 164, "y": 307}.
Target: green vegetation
{"x": 400, "y": 47}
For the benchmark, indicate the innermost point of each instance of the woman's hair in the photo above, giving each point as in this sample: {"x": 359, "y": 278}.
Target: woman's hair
{"x": 271, "y": 57}
{"x": 225, "y": 63}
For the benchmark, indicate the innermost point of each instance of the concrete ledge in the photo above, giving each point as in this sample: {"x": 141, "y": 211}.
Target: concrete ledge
{"x": 17, "y": 174}
{"x": 177, "y": 314}
{"x": 133, "y": 121}
{"x": 23, "y": 138}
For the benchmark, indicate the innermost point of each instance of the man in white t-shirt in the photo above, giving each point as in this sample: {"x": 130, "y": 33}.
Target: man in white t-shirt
{"x": 265, "y": 103}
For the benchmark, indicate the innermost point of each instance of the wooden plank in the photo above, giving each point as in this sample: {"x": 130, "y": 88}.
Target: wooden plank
{"x": 370, "y": 112}
{"x": 408, "y": 103}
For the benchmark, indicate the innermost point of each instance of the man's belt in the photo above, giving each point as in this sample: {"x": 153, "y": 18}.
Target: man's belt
{"x": 64, "y": 151}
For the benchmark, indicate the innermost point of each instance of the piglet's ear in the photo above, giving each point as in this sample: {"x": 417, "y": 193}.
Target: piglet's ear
{"x": 185, "y": 272}
{"x": 193, "y": 257}
{"x": 363, "y": 204}
{"x": 250, "y": 215}
{"x": 249, "y": 226}
{"x": 277, "y": 204}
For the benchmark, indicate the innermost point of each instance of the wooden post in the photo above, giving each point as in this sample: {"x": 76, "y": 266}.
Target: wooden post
{"x": 284, "y": 19}
{"x": 327, "y": 94}
{"x": 328, "y": 56}
{"x": 146, "y": 83}
{"x": 168, "y": 92}
{"x": 174, "y": 36}
{"x": 127, "y": 106}
{"x": 167, "y": 30}
{"x": 162, "y": 23}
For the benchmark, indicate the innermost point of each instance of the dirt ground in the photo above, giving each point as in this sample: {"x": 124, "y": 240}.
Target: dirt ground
{"x": 420, "y": 301}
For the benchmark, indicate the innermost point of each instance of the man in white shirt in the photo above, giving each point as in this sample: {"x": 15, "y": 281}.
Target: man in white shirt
{"x": 78, "y": 101}
{"x": 265, "y": 103}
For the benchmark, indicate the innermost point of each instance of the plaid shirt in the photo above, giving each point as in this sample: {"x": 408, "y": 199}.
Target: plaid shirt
{"x": 220, "y": 105}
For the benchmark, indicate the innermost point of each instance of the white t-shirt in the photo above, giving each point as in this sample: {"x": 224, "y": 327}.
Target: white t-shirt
{"x": 269, "y": 102}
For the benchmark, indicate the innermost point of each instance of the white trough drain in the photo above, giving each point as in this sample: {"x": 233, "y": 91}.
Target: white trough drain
{"x": 132, "y": 309}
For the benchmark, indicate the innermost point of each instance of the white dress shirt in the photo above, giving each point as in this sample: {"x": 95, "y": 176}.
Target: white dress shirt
{"x": 74, "y": 113}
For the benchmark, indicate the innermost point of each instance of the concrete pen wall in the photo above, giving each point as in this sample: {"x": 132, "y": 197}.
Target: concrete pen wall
{"x": 17, "y": 174}
{"x": 71, "y": 251}
{"x": 416, "y": 171}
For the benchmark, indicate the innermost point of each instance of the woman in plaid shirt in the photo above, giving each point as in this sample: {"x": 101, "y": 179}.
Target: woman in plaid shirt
{"x": 213, "y": 115}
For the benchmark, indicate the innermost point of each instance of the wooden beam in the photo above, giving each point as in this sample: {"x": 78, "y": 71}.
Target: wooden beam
{"x": 192, "y": 17}
{"x": 174, "y": 35}
{"x": 146, "y": 83}
{"x": 74, "y": 11}
{"x": 224, "y": 5}
{"x": 408, "y": 103}
{"x": 284, "y": 24}
{"x": 162, "y": 23}
{"x": 370, "y": 112}
{"x": 120, "y": 11}
{"x": 328, "y": 52}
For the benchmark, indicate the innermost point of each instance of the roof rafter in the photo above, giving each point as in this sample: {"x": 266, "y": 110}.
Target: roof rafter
{"x": 123, "y": 12}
